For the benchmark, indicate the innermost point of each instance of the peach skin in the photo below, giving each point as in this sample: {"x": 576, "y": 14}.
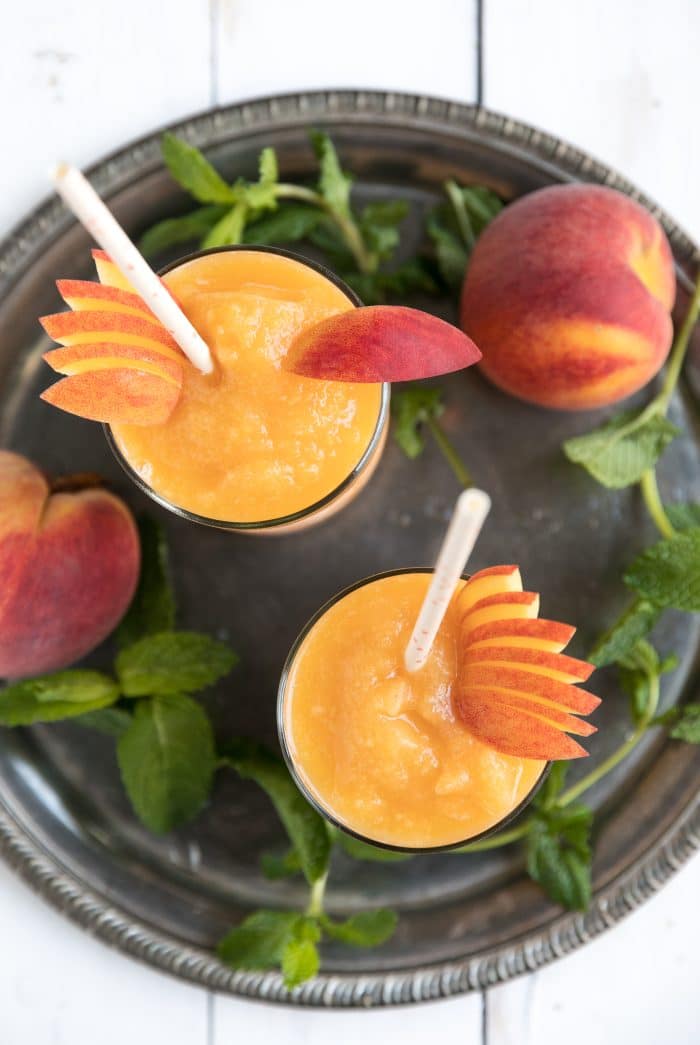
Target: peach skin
{"x": 568, "y": 295}
{"x": 69, "y": 564}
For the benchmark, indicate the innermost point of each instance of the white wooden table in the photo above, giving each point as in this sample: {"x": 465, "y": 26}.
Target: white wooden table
{"x": 621, "y": 79}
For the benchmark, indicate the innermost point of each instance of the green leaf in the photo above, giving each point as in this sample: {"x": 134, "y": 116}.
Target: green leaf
{"x": 327, "y": 237}
{"x": 167, "y": 761}
{"x": 52, "y": 697}
{"x": 300, "y": 958}
{"x": 379, "y": 226}
{"x": 153, "y": 607}
{"x": 482, "y": 206}
{"x": 268, "y": 169}
{"x": 683, "y": 516}
{"x": 172, "y": 231}
{"x": 113, "y": 722}
{"x": 229, "y": 229}
{"x": 668, "y": 573}
{"x": 411, "y": 408}
{"x": 333, "y": 184}
{"x": 374, "y": 288}
{"x": 636, "y": 622}
{"x": 274, "y": 867}
{"x": 287, "y": 224}
{"x": 367, "y": 929}
{"x": 552, "y": 786}
{"x": 360, "y": 850}
{"x": 193, "y": 172}
{"x": 260, "y": 940}
{"x": 619, "y": 452}
{"x": 687, "y": 725}
{"x": 559, "y": 855}
{"x": 306, "y": 829}
{"x": 452, "y": 256}
{"x": 172, "y": 662}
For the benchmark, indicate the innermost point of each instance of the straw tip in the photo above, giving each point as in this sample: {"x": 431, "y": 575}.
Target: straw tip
{"x": 473, "y": 501}
{"x": 59, "y": 171}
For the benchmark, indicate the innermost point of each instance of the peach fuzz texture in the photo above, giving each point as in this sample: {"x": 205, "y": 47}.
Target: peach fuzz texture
{"x": 568, "y": 295}
{"x": 69, "y": 564}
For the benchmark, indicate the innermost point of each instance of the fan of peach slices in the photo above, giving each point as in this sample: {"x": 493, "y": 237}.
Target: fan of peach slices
{"x": 121, "y": 365}
{"x": 516, "y": 690}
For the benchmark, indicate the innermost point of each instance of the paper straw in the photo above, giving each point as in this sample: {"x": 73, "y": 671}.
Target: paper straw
{"x": 79, "y": 195}
{"x": 465, "y": 526}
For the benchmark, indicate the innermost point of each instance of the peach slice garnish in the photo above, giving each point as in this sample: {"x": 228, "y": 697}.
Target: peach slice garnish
{"x": 108, "y": 273}
{"x": 77, "y": 359}
{"x": 76, "y": 328}
{"x": 513, "y": 605}
{"x": 491, "y": 581}
{"x": 115, "y": 395}
{"x": 84, "y": 296}
{"x": 380, "y": 343}
{"x": 550, "y": 665}
{"x": 530, "y": 685}
{"x": 547, "y": 635}
{"x": 517, "y": 732}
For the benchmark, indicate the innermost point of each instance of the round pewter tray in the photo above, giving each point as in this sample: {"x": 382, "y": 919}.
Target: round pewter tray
{"x": 466, "y": 921}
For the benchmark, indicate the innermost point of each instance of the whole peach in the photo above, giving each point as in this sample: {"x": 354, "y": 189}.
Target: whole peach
{"x": 568, "y": 295}
{"x": 69, "y": 564}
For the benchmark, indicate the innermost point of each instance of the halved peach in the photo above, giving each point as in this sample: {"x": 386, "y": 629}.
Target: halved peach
{"x": 114, "y": 396}
{"x": 512, "y": 731}
{"x": 108, "y": 273}
{"x": 84, "y": 296}
{"x": 548, "y": 635}
{"x": 77, "y": 359}
{"x": 529, "y": 685}
{"x": 491, "y": 581}
{"x": 550, "y": 665}
{"x": 380, "y": 343}
{"x": 512, "y": 605}
{"x": 76, "y": 328}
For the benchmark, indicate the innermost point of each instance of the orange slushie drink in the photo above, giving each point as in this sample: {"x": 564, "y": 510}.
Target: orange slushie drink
{"x": 253, "y": 446}
{"x": 380, "y": 751}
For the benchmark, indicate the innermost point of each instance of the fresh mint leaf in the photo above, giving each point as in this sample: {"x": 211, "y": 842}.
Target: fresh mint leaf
{"x": 412, "y": 407}
{"x": 193, "y": 172}
{"x": 306, "y": 829}
{"x": 229, "y": 229}
{"x": 374, "y": 288}
{"x": 172, "y": 662}
{"x": 687, "y": 724}
{"x": 451, "y": 254}
{"x": 367, "y": 929}
{"x": 668, "y": 573}
{"x": 287, "y": 224}
{"x": 113, "y": 721}
{"x": 259, "y": 942}
{"x": 167, "y": 761}
{"x": 481, "y": 204}
{"x": 153, "y": 607}
{"x": 333, "y": 183}
{"x": 52, "y": 697}
{"x": 173, "y": 231}
{"x": 683, "y": 516}
{"x": 634, "y": 624}
{"x": 638, "y": 666}
{"x": 360, "y": 850}
{"x": 559, "y": 854}
{"x": 268, "y": 168}
{"x": 619, "y": 452}
{"x": 274, "y": 867}
{"x": 552, "y": 786}
{"x": 379, "y": 225}
{"x": 328, "y": 238}
{"x": 300, "y": 958}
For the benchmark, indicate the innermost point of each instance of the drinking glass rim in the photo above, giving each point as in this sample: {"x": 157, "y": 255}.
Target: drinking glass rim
{"x": 302, "y": 513}
{"x": 313, "y": 799}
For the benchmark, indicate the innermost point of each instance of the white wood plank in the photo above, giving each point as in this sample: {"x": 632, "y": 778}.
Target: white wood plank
{"x": 619, "y": 79}
{"x": 63, "y": 987}
{"x": 635, "y": 983}
{"x": 456, "y": 1021}
{"x": 80, "y": 79}
{"x": 263, "y": 48}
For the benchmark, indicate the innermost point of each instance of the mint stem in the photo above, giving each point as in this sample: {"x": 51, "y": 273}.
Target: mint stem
{"x": 621, "y": 752}
{"x": 678, "y": 352}
{"x": 450, "y": 453}
{"x": 366, "y": 261}
{"x": 650, "y": 493}
{"x": 495, "y": 841}
{"x": 318, "y": 890}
